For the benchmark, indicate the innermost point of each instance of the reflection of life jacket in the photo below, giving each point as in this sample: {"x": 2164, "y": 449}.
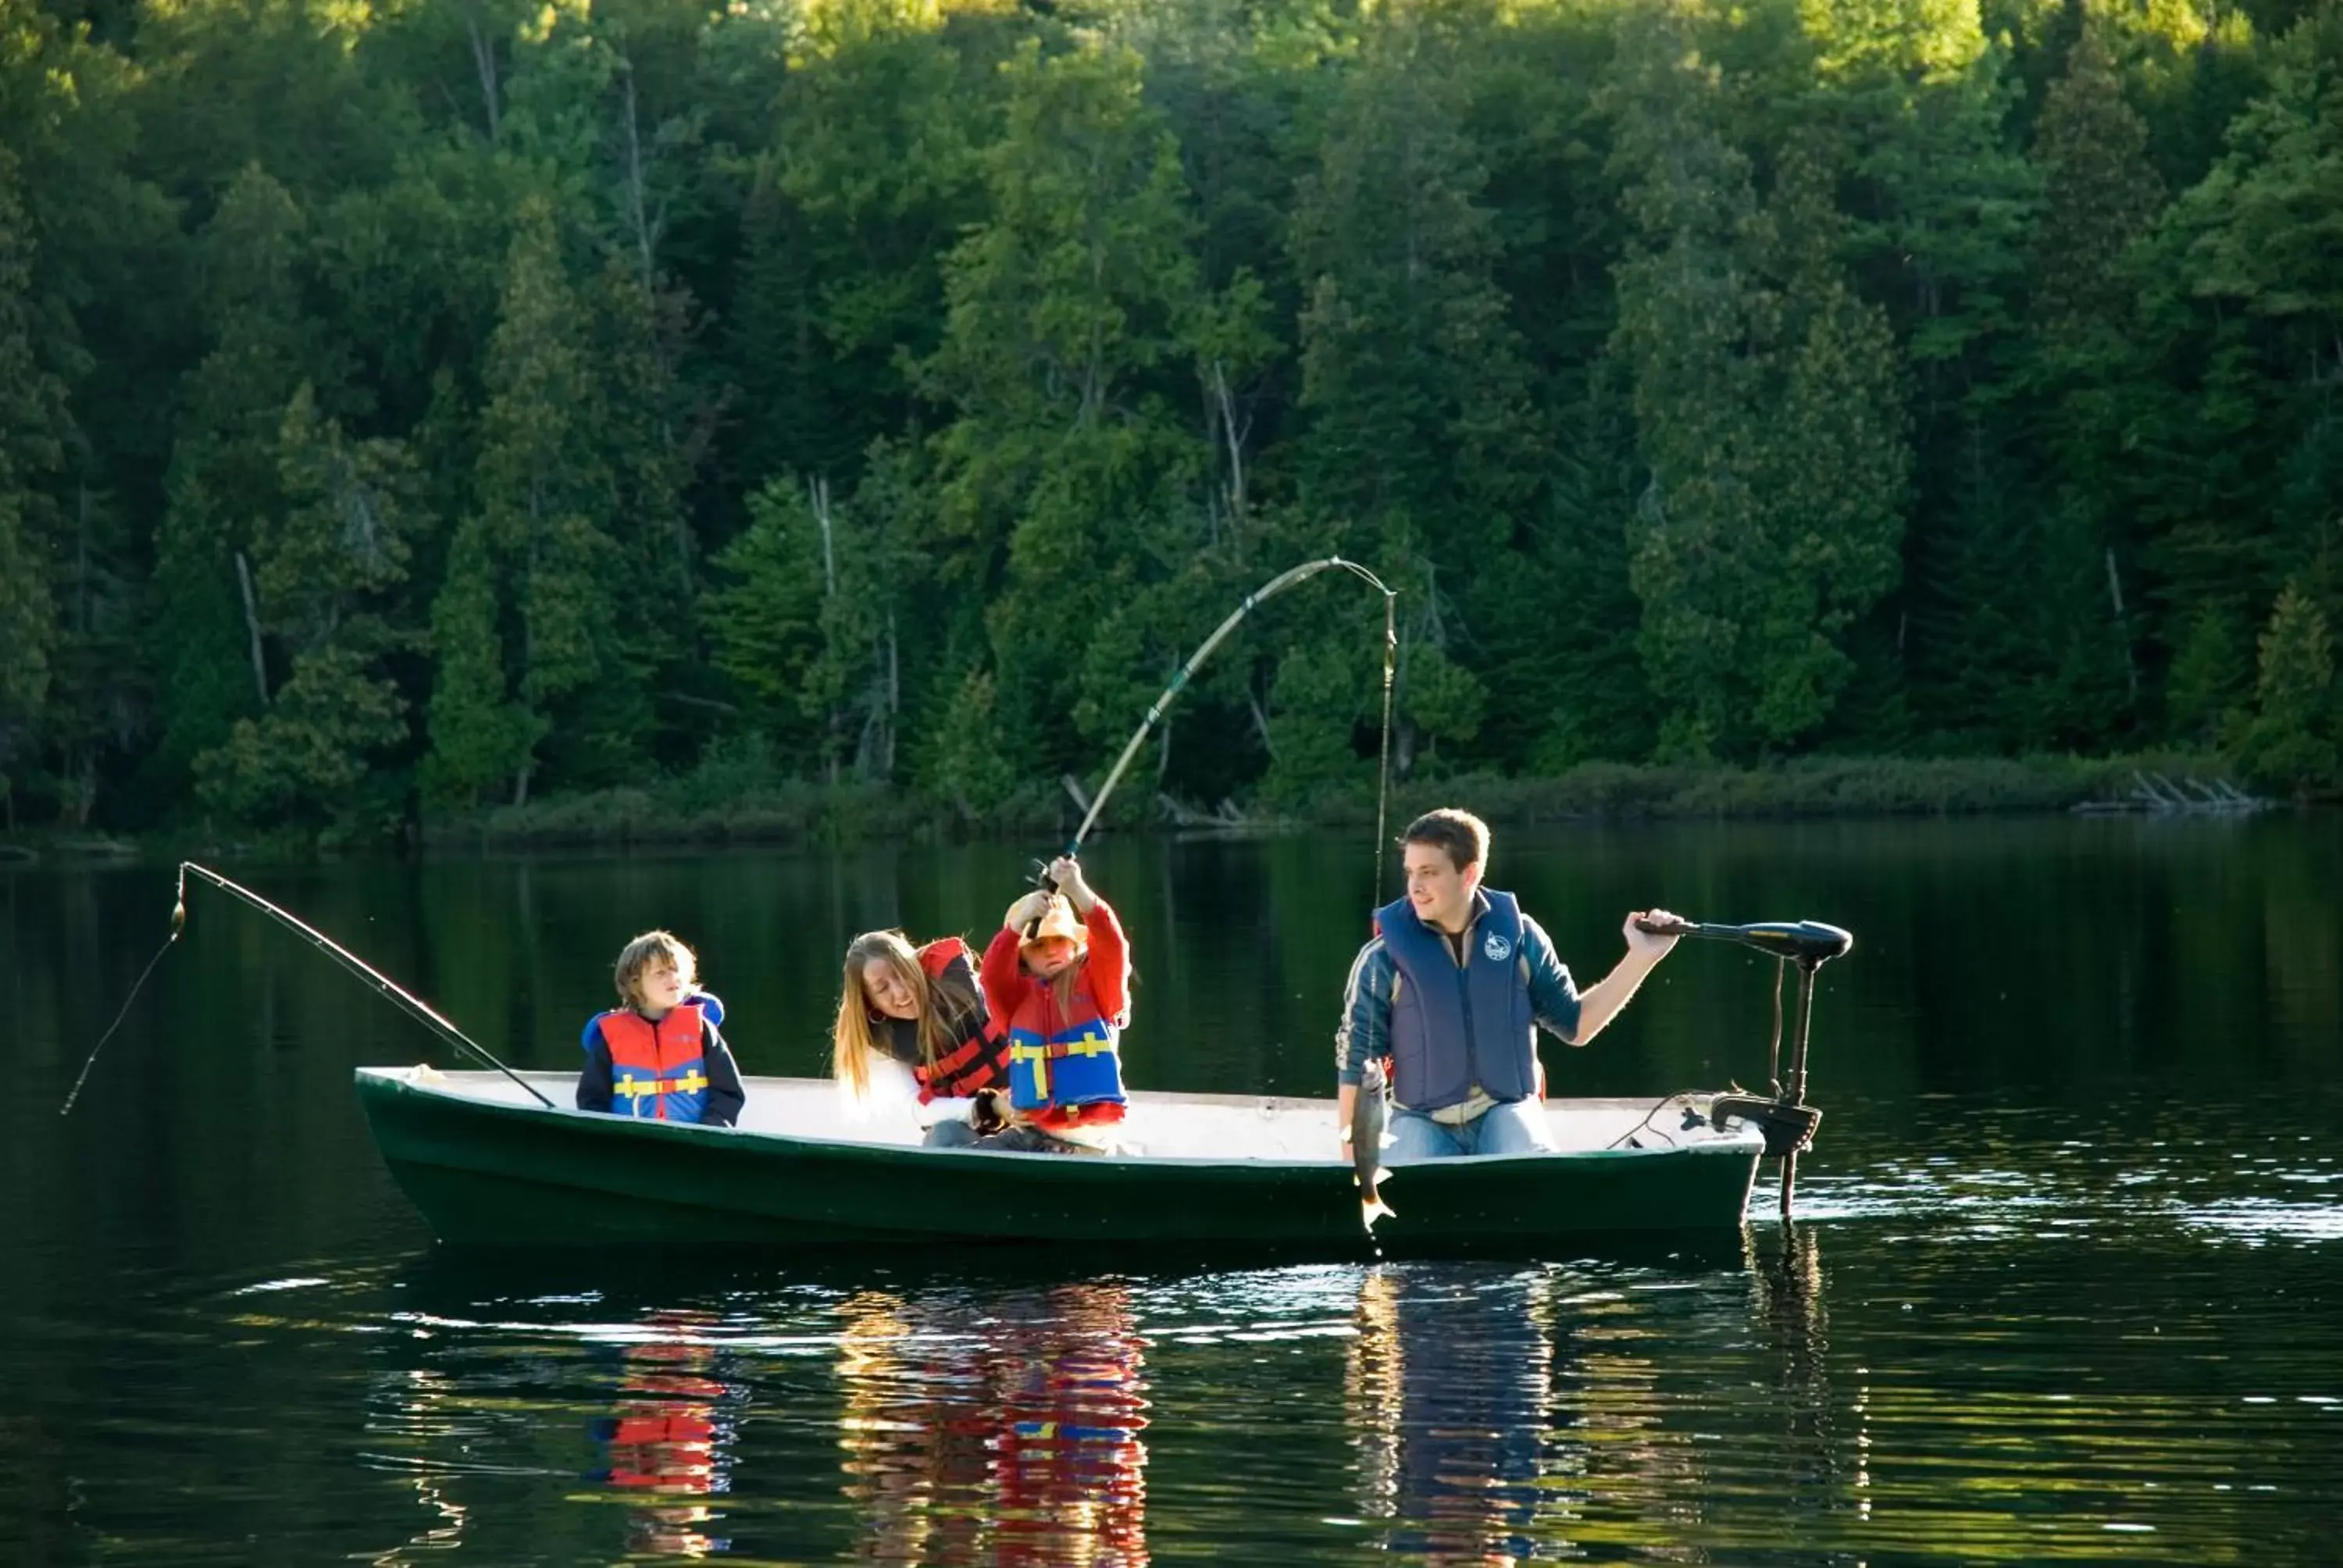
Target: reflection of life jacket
{"x": 657, "y": 1069}
{"x": 978, "y": 1055}
{"x": 1071, "y": 1465}
{"x": 670, "y": 1448}
{"x": 665, "y": 1433}
{"x": 1453, "y": 1027}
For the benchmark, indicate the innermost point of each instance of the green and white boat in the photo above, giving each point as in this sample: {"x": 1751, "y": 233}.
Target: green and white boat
{"x": 486, "y": 1164}
{"x": 500, "y": 1158}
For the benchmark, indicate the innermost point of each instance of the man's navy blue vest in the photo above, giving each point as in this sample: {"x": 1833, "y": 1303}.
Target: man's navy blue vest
{"x": 1452, "y": 1026}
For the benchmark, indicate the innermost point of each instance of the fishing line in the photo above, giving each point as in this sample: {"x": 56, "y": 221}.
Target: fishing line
{"x": 1276, "y": 585}
{"x": 389, "y": 989}
{"x": 1383, "y": 773}
{"x": 178, "y": 919}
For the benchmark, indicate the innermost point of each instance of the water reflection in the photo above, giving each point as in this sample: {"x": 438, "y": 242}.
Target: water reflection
{"x": 1448, "y": 1387}
{"x": 1820, "y": 1470}
{"x": 1004, "y": 1434}
{"x": 1497, "y": 1414}
{"x": 669, "y": 1437}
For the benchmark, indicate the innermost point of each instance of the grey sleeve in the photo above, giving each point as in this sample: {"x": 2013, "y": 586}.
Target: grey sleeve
{"x": 1553, "y": 995}
{"x": 1365, "y": 1030}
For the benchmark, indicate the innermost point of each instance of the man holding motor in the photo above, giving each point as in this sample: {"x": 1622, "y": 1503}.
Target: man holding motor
{"x": 1452, "y": 988}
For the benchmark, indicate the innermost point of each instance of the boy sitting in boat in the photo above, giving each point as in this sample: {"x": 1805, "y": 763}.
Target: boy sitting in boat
{"x": 1057, "y": 976}
{"x": 659, "y": 1055}
{"x": 1453, "y": 987}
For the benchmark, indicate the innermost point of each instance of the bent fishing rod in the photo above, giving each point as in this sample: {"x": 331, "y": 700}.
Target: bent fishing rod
{"x": 391, "y": 989}
{"x": 1274, "y": 585}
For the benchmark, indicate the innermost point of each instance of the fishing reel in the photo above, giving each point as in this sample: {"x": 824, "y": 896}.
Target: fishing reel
{"x": 1038, "y": 873}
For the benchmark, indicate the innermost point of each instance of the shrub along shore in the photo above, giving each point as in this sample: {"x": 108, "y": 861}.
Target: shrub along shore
{"x": 782, "y": 811}
{"x": 718, "y": 805}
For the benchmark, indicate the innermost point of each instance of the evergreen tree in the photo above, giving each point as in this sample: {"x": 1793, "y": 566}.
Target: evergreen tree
{"x": 327, "y": 571}
{"x": 1066, "y": 467}
{"x": 91, "y": 322}
{"x": 2290, "y": 741}
{"x": 2099, "y": 195}
{"x": 527, "y": 626}
{"x": 32, "y": 421}
{"x": 764, "y": 622}
{"x": 1767, "y": 404}
{"x": 2076, "y": 663}
{"x": 2220, "y": 441}
{"x": 482, "y": 735}
{"x": 1421, "y": 442}
{"x": 2210, "y": 677}
{"x": 873, "y": 173}
{"x": 1910, "y": 98}
{"x": 207, "y": 643}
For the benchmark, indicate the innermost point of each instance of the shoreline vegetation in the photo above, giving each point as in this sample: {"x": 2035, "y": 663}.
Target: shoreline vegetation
{"x": 616, "y": 409}
{"x": 711, "y": 807}
{"x": 793, "y": 811}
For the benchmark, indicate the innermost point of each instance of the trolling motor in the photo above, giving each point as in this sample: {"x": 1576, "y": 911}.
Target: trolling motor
{"x": 1786, "y": 1119}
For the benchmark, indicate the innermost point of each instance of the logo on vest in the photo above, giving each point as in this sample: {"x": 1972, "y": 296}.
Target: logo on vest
{"x": 1498, "y": 948}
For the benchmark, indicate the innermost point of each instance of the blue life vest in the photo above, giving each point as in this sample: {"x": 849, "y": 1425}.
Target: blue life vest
{"x": 1455, "y": 1027}
{"x": 1076, "y": 1065}
{"x": 657, "y": 1070}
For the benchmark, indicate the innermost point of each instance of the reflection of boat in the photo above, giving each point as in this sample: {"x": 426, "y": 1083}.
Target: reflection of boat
{"x": 1007, "y": 1438}
{"x": 486, "y": 1163}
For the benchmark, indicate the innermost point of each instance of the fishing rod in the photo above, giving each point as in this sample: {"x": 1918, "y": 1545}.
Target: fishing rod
{"x": 1786, "y": 1119}
{"x": 1274, "y": 585}
{"x": 350, "y": 960}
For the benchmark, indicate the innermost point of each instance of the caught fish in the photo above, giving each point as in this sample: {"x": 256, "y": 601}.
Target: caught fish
{"x": 1369, "y": 1115}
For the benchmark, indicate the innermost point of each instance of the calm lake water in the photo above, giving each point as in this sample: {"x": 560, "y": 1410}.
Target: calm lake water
{"x": 2066, "y": 1282}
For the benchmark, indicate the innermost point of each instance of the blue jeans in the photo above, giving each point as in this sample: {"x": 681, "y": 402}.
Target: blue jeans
{"x": 1515, "y": 1126}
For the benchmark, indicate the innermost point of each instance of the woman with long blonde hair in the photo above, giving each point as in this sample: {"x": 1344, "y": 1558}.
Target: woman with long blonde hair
{"x": 912, "y": 1028}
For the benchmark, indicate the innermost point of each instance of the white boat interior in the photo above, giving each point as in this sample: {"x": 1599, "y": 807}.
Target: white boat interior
{"x": 1218, "y": 1127}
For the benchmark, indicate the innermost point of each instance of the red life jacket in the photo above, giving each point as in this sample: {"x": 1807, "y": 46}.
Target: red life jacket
{"x": 657, "y": 1069}
{"x": 979, "y": 1058}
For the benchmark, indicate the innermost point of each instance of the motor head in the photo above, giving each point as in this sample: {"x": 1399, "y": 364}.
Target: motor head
{"x": 1808, "y": 943}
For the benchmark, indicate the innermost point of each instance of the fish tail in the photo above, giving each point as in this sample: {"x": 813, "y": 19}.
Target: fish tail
{"x": 1373, "y": 1208}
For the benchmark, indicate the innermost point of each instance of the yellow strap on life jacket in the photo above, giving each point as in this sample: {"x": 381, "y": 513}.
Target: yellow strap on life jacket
{"x": 636, "y": 1088}
{"x": 1041, "y": 1055}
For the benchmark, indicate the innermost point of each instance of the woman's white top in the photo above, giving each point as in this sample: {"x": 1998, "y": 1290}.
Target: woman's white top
{"x": 893, "y": 1100}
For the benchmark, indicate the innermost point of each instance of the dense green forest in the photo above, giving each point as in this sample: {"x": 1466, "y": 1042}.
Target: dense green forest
{"x": 418, "y": 404}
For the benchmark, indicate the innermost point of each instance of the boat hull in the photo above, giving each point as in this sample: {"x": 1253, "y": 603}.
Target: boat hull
{"x": 484, "y": 1174}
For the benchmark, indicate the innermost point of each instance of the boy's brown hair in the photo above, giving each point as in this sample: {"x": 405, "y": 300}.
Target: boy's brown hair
{"x": 1462, "y": 835}
{"x": 650, "y": 947}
